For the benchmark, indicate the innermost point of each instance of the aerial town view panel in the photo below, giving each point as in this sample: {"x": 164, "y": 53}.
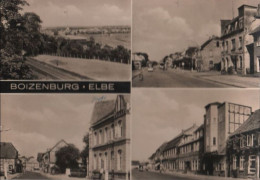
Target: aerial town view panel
{"x": 84, "y": 137}
{"x": 195, "y": 135}
{"x": 203, "y": 43}
{"x": 65, "y": 40}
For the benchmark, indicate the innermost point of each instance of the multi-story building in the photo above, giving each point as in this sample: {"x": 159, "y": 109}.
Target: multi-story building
{"x": 191, "y": 149}
{"x": 254, "y": 48}
{"x": 210, "y": 54}
{"x": 243, "y": 149}
{"x": 221, "y": 120}
{"x": 182, "y": 153}
{"x": 109, "y": 138}
{"x": 235, "y": 36}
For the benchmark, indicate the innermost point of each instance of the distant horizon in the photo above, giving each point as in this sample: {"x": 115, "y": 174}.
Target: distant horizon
{"x": 80, "y": 26}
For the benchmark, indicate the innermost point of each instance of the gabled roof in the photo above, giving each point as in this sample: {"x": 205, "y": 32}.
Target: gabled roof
{"x": 173, "y": 143}
{"x": 102, "y": 109}
{"x": 57, "y": 145}
{"x": 208, "y": 41}
{"x": 255, "y": 31}
{"x": 8, "y": 151}
{"x": 252, "y": 123}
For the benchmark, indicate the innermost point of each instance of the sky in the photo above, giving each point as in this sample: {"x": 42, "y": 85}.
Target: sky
{"x": 81, "y": 12}
{"x": 164, "y": 27}
{"x": 159, "y": 115}
{"x": 38, "y": 121}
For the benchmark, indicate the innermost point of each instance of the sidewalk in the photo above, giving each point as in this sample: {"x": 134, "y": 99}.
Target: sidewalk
{"x": 63, "y": 177}
{"x": 11, "y": 176}
{"x": 231, "y": 80}
{"x": 198, "y": 177}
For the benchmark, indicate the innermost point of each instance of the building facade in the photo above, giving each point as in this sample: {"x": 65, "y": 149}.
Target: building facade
{"x": 235, "y": 57}
{"x": 110, "y": 138}
{"x": 49, "y": 157}
{"x": 221, "y": 120}
{"x": 8, "y": 157}
{"x": 243, "y": 149}
{"x": 210, "y": 55}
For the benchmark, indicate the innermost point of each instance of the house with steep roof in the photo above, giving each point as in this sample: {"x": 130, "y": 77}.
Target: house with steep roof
{"x": 8, "y": 157}
{"x": 243, "y": 149}
{"x": 49, "y": 157}
{"x": 210, "y": 54}
{"x": 109, "y": 138}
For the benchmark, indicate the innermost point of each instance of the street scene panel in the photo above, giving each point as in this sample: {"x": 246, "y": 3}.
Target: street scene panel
{"x": 217, "y": 47}
{"x": 65, "y": 40}
{"x": 65, "y": 137}
{"x": 195, "y": 134}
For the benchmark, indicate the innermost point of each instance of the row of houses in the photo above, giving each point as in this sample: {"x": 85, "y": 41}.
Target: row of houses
{"x": 237, "y": 50}
{"x": 226, "y": 144}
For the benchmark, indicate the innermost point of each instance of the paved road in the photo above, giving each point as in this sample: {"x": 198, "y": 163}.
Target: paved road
{"x": 31, "y": 175}
{"x": 136, "y": 175}
{"x": 48, "y": 72}
{"x": 171, "y": 78}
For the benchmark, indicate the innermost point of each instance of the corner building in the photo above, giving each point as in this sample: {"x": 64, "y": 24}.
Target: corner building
{"x": 110, "y": 138}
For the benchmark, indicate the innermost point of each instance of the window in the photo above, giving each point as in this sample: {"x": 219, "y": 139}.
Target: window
{"x": 106, "y": 161}
{"x": 120, "y": 130}
{"x": 112, "y": 160}
{"x": 234, "y": 162}
{"x": 226, "y": 45}
{"x": 210, "y": 62}
{"x": 105, "y": 135}
{"x": 112, "y": 132}
{"x": 258, "y": 41}
{"x": 252, "y": 164}
{"x": 100, "y": 137}
{"x": 119, "y": 160}
{"x": 214, "y": 141}
{"x": 250, "y": 140}
{"x": 95, "y": 161}
{"x": 95, "y": 138}
{"x": 241, "y": 162}
{"x": 242, "y": 142}
{"x": 217, "y": 44}
{"x": 240, "y": 43}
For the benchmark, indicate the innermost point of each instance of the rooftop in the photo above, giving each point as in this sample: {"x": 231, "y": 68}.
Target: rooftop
{"x": 252, "y": 123}
{"x": 8, "y": 151}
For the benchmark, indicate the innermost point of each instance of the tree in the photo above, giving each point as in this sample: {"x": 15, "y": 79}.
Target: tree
{"x": 66, "y": 157}
{"x": 19, "y": 33}
{"x": 85, "y": 152}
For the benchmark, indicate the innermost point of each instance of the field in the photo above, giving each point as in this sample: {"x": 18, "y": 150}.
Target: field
{"x": 92, "y": 68}
{"x": 113, "y": 40}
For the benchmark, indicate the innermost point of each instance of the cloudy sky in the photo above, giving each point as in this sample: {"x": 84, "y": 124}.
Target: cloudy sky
{"x": 158, "y": 116}
{"x": 166, "y": 26}
{"x": 38, "y": 122}
{"x": 81, "y": 12}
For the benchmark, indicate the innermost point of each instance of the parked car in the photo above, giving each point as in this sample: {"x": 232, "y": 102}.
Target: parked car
{"x": 150, "y": 69}
{"x": 55, "y": 170}
{"x": 80, "y": 172}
